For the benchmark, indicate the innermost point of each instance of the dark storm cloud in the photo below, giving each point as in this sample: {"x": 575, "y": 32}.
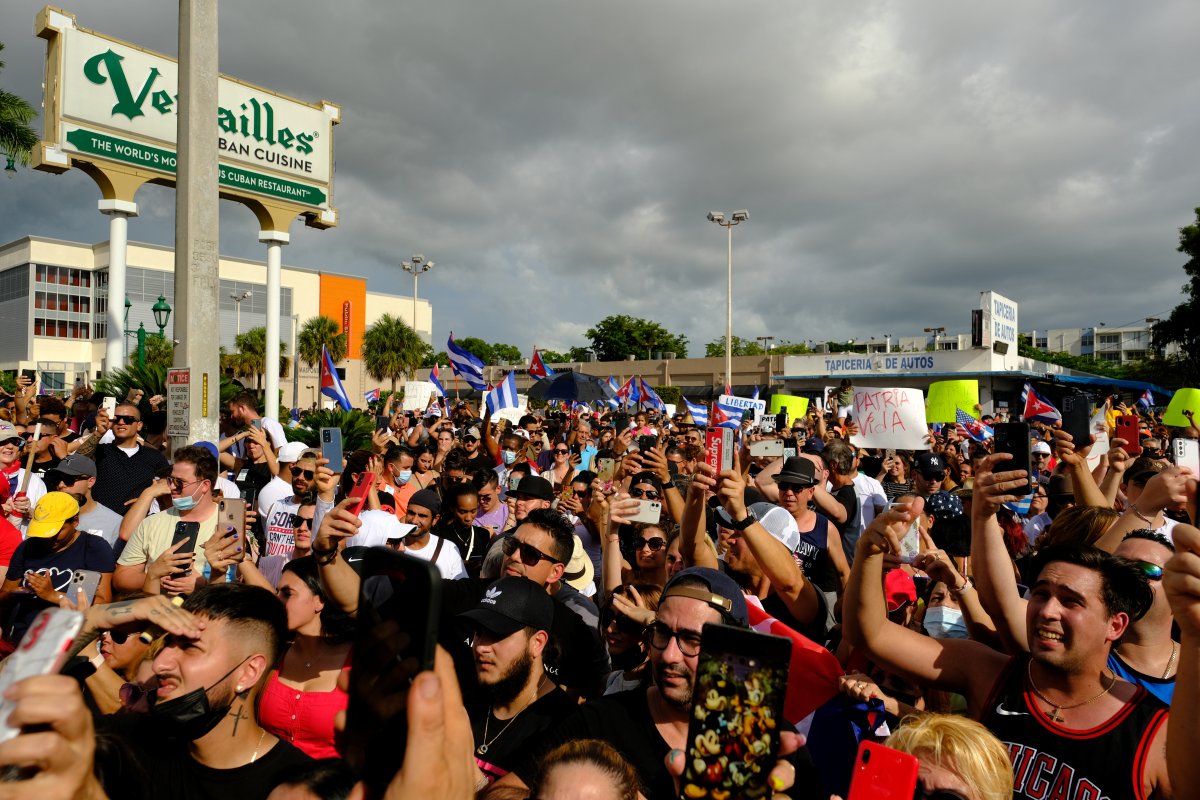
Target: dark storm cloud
{"x": 557, "y": 160}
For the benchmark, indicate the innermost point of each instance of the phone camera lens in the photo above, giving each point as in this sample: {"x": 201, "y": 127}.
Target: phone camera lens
{"x": 866, "y": 756}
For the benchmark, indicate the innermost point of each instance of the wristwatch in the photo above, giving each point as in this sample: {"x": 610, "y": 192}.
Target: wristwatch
{"x": 741, "y": 525}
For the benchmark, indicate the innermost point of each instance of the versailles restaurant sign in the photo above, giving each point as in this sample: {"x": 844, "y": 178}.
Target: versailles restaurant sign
{"x": 110, "y": 101}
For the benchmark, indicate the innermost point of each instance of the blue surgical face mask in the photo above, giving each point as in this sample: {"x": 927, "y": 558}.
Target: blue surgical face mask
{"x": 509, "y": 456}
{"x": 942, "y": 622}
{"x": 404, "y": 476}
{"x": 184, "y": 503}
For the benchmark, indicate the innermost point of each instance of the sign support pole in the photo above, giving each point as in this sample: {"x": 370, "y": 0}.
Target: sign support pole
{"x": 118, "y": 213}
{"x": 274, "y": 240}
{"x": 197, "y": 283}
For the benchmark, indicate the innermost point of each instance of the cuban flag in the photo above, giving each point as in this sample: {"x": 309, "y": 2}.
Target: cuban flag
{"x": 537, "y": 367}
{"x": 1146, "y": 401}
{"x": 698, "y": 412}
{"x": 437, "y": 384}
{"x": 372, "y": 396}
{"x": 466, "y": 365}
{"x": 628, "y": 393}
{"x": 755, "y": 395}
{"x": 504, "y": 395}
{"x": 614, "y": 401}
{"x": 1038, "y": 408}
{"x": 819, "y": 667}
{"x": 650, "y": 397}
{"x": 724, "y": 416}
{"x": 967, "y": 426}
{"x": 331, "y": 386}
{"x": 1021, "y": 507}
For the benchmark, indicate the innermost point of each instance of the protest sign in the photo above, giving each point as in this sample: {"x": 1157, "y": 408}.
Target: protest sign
{"x": 947, "y": 396}
{"x": 1184, "y": 400}
{"x": 757, "y": 407}
{"x": 797, "y": 407}
{"x": 890, "y": 418}
{"x": 417, "y": 394}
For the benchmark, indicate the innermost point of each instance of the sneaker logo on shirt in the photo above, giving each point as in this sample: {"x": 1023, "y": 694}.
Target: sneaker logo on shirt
{"x": 1002, "y": 711}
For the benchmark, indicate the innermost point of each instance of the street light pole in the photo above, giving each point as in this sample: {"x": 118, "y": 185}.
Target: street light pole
{"x": 719, "y": 218}
{"x": 936, "y": 333}
{"x": 237, "y": 300}
{"x": 415, "y": 267}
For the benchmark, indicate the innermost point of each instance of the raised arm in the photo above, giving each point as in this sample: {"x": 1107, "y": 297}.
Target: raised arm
{"x": 990, "y": 563}
{"x": 694, "y": 544}
{"x": 340, "y": 580}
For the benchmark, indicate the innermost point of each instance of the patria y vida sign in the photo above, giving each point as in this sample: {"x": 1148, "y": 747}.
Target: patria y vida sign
{"x": 109, "y": 102}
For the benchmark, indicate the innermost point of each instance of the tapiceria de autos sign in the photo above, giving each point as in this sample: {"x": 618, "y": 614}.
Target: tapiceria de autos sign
{"x": 108, "y": 101}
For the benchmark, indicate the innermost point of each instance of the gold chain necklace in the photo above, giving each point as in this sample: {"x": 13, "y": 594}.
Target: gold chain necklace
{"x": 1171, "y": 660}
{"x": 1054, "y": 715}
{"x": 261, "y": 736}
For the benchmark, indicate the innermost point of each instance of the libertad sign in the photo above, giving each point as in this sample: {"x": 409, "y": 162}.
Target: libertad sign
{"x": 111, "y": 102}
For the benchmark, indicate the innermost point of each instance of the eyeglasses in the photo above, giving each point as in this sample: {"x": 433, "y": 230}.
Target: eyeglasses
{"x": 125, "y": 419}
{"x": 178, "y": 484}
{"x": 649, "y": 494}
{"x": 560, "y": 452}
{"x": 15, "y": 441}
{"x": 661, "y": 635}
{"x": 530, "y": 555}
{"x": 794, "y": 488}
{"x": 655, "y": 543}
{"x": 308, "y": 474}
{"x": 301, "y": 522}
{"x": 536, "y": 445}
{"x": 1152, "y": 572}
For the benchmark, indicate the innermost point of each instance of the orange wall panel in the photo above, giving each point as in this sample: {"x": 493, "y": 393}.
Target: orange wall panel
{"x": 336, "y": 290}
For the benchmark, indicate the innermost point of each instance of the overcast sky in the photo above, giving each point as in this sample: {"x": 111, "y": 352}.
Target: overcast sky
{"x": 557, "y": 159}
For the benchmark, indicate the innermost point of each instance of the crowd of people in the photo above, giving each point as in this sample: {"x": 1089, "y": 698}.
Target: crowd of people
{"x": 1032, "y": 644}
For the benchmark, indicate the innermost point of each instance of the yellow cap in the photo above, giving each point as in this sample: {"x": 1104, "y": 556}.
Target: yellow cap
{"x": 51, "y": 512}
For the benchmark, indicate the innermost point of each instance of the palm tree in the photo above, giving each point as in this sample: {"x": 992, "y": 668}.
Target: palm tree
{"x": 391, "y": 349}
{"x": 317, "y": 332}
{"x": 251, "y": 357}
{"x": 17, "y": 138}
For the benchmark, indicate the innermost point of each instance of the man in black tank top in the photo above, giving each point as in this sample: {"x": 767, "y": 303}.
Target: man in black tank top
{"x": 1073, "y": 729}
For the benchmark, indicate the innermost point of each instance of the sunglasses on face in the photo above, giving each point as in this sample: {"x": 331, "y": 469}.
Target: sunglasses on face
{"x": 624, "y": 624}
{"x": 794, "y": 488}
{"x": 301, "y": 522}
{"x": 530, "y": 555}
{"x": 117, "y": 637}
{"x": 654, "y": 544}
{"x": 125, "y": 419}
{"x": 1152, "y": 572}
{"x": 178, "y": 484}
{"x": 559, "y": 452}
{"x": 307, "y": 474}
{"x": 649, "y": 494}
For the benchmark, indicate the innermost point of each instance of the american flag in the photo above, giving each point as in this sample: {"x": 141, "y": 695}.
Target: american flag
{"x": 967, "y": 426}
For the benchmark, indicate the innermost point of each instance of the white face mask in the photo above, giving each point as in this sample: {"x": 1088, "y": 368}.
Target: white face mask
{"x": 943, "y": 622}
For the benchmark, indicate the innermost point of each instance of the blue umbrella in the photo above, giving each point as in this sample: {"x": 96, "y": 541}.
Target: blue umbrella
{"x": 573, "y": 386}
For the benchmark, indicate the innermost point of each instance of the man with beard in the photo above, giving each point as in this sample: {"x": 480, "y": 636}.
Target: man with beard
{"x": 646, "y": 724}
{"x": 201, "y": 738}
{"x": 510, "y": 630}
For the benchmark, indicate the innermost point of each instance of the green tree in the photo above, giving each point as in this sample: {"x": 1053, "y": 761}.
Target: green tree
{"x": 554, "y": 357}
{"x": 160, "y": 351}
{"x": 17, "y": 136}
{"x": 578, "y": 354}
{"x": 317, "y": 332}
{"x": 1182, "y": 327}
{"x": 617, "y": 337}
{"x": 506, "y": 353}
{"x": 392, "y": 350}
{"x": 432, "y": 358}
{"x": 741, "y": 347}
{"x": 251, "y": 356}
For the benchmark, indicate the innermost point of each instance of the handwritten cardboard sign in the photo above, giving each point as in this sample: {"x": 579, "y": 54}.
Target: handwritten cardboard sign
{"x": 890, "y": 418}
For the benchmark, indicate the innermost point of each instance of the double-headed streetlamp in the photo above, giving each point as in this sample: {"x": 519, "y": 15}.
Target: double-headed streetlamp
{"x": 237, "y": 298}
{"x": 415, "y": 267}
{"x": 737, "y": 218}
{"x": 162, "y": 315}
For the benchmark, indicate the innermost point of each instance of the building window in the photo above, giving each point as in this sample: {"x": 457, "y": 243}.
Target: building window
{"x": 1041, "y": 343}
{"x": 1110, "y": 357}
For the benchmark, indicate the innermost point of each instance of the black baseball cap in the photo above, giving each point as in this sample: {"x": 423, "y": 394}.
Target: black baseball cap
{"x": 535, "y": 487}
{"x": 930, "y": 465}
{"x": 510, "y": 604}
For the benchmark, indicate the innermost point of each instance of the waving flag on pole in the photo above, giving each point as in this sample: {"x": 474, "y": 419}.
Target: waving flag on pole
{"x": 504, "y": 395}
{"x": 819, "y": 667}
{"x": 372, "y": 396}
{"x": 629, "y": 391}
{"x": 437, "y": 384}
{"x": 724, "y": 416}
{"x": 466, "y": 365}
{"x": 755, "y": 395}
{"x": 331, "y": 386}
{"x": 650, "y": 397}
{"x": 699, "y": 413}
{"x": 967, "y": 426}
{"x": 1146, "y": 401}
{"x": 537, "y": 367}
{"x": 1038, "y": 408}
{"x": 614, "y": 402}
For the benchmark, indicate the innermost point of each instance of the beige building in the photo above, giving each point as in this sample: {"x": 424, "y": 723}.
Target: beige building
{"x": 53, "y": 297}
